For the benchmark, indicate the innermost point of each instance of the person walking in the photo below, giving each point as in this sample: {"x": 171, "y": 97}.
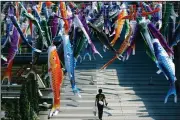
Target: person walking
{"x": 99, "y": 102}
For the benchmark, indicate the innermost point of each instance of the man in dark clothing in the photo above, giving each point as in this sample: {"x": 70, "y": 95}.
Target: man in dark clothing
{"x": 100, "y": 100}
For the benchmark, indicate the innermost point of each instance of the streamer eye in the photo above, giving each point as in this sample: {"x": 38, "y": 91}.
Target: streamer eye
{"x": 160, "y": 48}
{"x": 54, "y": 58}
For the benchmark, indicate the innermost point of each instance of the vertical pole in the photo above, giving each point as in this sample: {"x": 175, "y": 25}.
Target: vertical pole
{"x": 177, "y": 66}
{"x": 177, "y": 53}
{"x": 0, "y": 64}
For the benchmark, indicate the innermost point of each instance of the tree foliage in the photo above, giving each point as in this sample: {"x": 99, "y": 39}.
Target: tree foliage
{"x": 24, "y": 103}
{"x": 29, "y": 99}
{"x": 17, "y": 111}
{"x": 9, "y": 110}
